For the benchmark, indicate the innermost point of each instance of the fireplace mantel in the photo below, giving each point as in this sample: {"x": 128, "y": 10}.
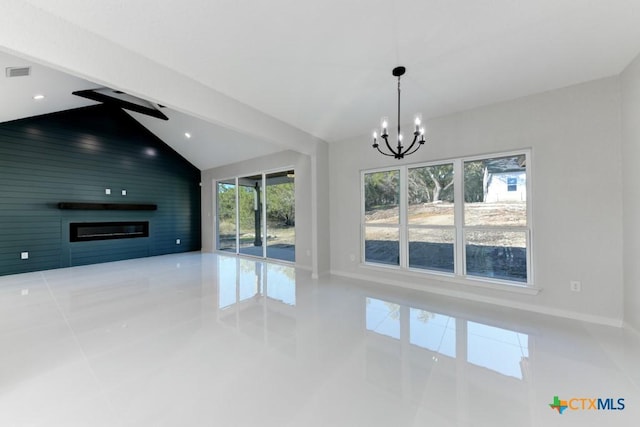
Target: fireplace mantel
{"x": 99, "y": 206}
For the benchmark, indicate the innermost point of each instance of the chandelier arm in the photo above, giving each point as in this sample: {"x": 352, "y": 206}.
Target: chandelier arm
{"x": 386, "y": 141}
{"x": 415, "y": 149}
{"x": 383, "y": 153}
{"x": 415, "y": 138}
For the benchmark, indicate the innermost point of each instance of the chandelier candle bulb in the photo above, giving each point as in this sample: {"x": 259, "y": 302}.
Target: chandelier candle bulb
{"x": 385, "y": 124}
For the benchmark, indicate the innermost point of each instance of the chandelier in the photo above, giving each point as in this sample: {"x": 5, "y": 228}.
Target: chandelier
{"x": 418, "y": 134}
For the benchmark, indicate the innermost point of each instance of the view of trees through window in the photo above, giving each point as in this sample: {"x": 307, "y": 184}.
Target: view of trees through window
{"x": 240, "y": 204}
{"x": 495, "y": 217}
{"x": 227, "y": 215}
{"x": 430, "y": 216}
{"x": 281, "y": 215}
{"x": 491, "y": 224}
{"x": 382, "y": 217}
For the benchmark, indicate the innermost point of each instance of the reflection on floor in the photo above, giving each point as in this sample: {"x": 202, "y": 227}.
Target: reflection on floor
{"x": 498, "y": 349}
{"x": 279, "y": 252}
{"x": 212, "y": 340}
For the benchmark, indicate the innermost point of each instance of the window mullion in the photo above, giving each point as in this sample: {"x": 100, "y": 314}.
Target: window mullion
{"x": 263, "y": 217}
{"x": 458, "y": 217}
{"x": 237, "y": 218}
{"x": 362, "y": 218}
{"x": 403, "y": 215}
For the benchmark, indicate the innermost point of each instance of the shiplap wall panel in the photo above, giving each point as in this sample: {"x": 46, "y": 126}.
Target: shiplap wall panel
{"x": 74, "y": 156}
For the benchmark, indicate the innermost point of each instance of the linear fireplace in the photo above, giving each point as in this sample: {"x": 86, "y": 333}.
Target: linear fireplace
{"x": 86, "y": 231}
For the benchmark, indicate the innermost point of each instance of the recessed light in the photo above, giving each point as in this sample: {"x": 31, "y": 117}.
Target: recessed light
{"x": 187, "y": 135}
{"x": 38, "y": 97}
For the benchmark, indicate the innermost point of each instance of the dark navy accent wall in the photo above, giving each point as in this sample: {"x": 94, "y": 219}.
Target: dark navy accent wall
{"x": 73, "y": 156}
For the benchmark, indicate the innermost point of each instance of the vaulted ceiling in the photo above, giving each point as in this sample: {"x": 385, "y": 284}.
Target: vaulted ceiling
{"x": 208, "y": 145}
{"x": 286, "y": 74}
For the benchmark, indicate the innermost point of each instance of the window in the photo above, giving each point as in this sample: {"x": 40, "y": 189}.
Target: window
{"x": 466, "y": 217}
{"x": 430, "y": 217}
{"x": 382, "y": 217}
{"x": 226, "y": 215}
{"x": 495, "y": 219}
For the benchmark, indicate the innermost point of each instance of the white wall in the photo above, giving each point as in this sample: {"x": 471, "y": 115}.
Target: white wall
{"x": 321, "y": 196}
{"x": 575, "y": 137}
{"x": 630, "y": 90}
{"x": 311, "y": 253}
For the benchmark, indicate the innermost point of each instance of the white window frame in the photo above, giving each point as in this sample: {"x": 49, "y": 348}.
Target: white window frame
{"x": 460, "y": 274}
{"x": 399, "y": 225}
{"x": 432, "y": 227}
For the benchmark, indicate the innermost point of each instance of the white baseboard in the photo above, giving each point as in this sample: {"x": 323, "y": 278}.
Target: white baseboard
{"x": 601, "y": 320}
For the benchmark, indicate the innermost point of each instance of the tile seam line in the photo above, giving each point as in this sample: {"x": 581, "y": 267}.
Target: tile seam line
{"x": 101, "y": 387}
{"x": 613, "y": 360}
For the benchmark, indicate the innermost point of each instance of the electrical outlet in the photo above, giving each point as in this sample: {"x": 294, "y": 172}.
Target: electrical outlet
{"x": 124, "y": 192}
{"x": 575, "y": 286}
{"x": 352, "y": 257}
{"x": 107, "y": 191}
{"x": 177, "y": 241}
{"x": 24, "y": 255}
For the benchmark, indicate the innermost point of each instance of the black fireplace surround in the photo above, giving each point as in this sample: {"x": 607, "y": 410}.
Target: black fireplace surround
{"x": 87, "y": 231}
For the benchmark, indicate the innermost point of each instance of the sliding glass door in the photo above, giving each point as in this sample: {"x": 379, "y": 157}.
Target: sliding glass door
{"x": 280, "y": 215}
{"x": 227, "y": 218}
{"x": 250, "y": 215}
{"x": 256, "y": 215}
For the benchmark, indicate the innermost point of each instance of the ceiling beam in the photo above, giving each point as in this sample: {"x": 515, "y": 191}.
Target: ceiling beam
{"x": 26, "y": 31}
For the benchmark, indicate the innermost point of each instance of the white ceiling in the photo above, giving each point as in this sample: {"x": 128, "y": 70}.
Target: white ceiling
{"x": 323, "y": 67}
{"x": 208, "y": 146}
{"x": 16, "y": 93}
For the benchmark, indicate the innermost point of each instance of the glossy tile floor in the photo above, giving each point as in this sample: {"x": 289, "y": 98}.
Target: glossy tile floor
{"x": 207, "y": 340}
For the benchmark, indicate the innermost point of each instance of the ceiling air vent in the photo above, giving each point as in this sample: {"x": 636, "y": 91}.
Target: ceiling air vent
{"x": 18, "y": 71}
